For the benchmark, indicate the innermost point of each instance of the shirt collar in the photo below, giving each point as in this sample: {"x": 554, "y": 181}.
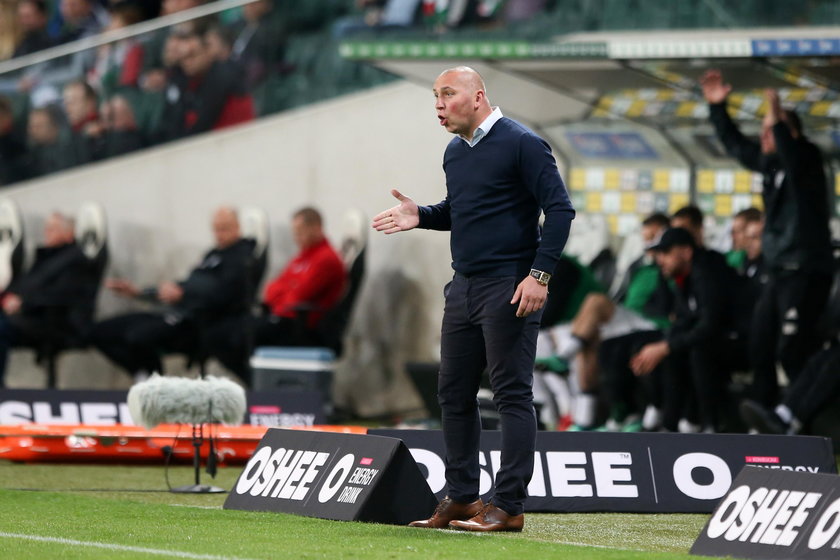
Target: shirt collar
{"x": 484, "y": 127}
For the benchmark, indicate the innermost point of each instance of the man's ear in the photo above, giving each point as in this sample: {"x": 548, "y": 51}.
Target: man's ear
{"x": 479, "y": 97}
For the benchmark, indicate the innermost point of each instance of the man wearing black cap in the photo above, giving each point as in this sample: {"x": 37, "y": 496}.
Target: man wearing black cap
{"x": 693, "y": 344}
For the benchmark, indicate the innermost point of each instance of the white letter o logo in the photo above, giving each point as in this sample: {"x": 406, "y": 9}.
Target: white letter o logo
{"x": 721, "y": 476}
{"x": 336, "y": 478}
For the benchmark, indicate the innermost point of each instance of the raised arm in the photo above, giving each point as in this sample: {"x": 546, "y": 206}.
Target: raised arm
{"x": 716, "y": 91}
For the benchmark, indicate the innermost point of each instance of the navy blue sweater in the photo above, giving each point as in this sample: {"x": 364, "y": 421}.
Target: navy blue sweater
{"x": 494, "y": 193}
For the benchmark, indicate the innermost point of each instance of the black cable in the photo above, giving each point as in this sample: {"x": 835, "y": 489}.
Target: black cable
{"x": 168, "y": 451}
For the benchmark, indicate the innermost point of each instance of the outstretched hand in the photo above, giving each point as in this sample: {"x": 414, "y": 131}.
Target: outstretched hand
{"x": 715, "y": 90}
{"x": 402, "y": 217}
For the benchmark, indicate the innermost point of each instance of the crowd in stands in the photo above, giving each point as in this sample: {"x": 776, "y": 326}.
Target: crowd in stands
{"x": 204, "y": 74}
{"x": 215, "y": 312}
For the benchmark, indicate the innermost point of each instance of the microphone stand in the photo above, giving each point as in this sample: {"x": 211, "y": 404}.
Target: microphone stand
{"x": 198, "y": 488}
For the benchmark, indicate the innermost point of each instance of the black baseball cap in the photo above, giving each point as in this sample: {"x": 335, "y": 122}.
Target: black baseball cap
{"x": 673, "y": 237}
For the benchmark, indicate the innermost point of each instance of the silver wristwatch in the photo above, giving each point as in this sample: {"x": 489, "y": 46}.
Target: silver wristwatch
{"x": 542, "y": 277}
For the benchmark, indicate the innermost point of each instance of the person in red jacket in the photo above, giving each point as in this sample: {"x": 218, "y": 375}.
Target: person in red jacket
{"x": 311, "y": 284}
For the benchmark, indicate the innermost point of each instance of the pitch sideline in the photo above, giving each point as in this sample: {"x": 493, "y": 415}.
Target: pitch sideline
{"x": 118, "y": 547}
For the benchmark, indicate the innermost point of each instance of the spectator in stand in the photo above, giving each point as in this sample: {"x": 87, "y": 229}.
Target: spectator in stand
{"x": 378, "y": 15}
{"x": 80, "y": 19}
{"x": 796, "y": 240}
{"x": 203, "y": 94}
{"x": 215, "y": 290}
{"x": 47, "y": 151}
{"x": 53, "y": 300}
{"x": 121, "y": 133}
{"x": 219, "y": 41}
{"x": 12, "y": 145}
{"x": 32, "y": 20}
{"x": 119, "y": 64}
{"x": 260, "y": 42}
{"x": 10, "y": 31}
{"x": 691, "y": 348}
{"x": 311, "y": 284}
{"x": 81, "y": 107}
{"x": 157, "y": 61}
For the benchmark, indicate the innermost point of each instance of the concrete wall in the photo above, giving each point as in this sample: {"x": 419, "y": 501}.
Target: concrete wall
{"x": 342, "y": 154}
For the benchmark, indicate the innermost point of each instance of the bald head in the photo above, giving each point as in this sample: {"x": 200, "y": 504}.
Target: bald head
{"x": 469, "y": 78}
{"x": 461, "y": 100}
{"x": 226, "y": 227}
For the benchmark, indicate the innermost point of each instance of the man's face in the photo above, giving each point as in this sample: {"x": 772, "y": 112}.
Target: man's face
{"x": 752, "y": 239}
{"x": 122, "y": 115}
{"x": 57, "y": 232}
{"x": 225, "y": 228}
{"x": 304, "y": 234}
{"x": 41, "y": 129}
{"x": 739, "y": 225}
{"x": 455, "y": 103}
{"x": 254, "y": 11}
{"x": 650, "y": 232}
{"x": 195, "y": 58}
{"x": 675, "y": 261}
{"x": 76, "y": 106}
{"x": 29, "y": 18}
{"x": 172, "y": 6}
{"x": 75, "y": 11}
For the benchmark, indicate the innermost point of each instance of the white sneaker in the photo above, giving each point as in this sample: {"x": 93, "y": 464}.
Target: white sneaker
{"x": 652, "y": 419}
{"x": 686, "y": 427}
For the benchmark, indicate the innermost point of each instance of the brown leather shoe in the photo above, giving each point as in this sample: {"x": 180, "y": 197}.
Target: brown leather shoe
{"x": 491, "y": 518}
{"x": 449, "y": 510}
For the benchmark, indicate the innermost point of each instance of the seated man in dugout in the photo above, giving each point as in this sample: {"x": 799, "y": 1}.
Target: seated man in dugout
{"x": 294, "y": 303}
{"x": 696, "y": 370}
{"x": 217, "y": 289}
{"x": 52, "y": 303}
{"x": 643, "y": 308}
{"x": 311, "y": 284}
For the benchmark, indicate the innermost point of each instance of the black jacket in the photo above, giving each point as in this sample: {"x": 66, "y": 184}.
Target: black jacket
{"x": 60, "y": 286}
{"x": 220, "y": 285}
{"x": 796, "y": 234}
{"x": 702, "y": 303}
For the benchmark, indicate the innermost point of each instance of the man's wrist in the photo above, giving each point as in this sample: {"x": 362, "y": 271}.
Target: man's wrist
{"x": 542, "y": 277}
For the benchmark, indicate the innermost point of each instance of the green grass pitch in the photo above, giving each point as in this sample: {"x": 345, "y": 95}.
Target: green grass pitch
{"x": 72, "y": 511}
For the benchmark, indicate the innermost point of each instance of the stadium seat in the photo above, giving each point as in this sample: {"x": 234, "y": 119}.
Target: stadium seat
{"x": 92, "y": 237}
{"x": 11, "y": 243}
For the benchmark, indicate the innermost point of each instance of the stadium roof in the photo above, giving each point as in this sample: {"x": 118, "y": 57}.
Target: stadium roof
{"x": 632, "y": 75}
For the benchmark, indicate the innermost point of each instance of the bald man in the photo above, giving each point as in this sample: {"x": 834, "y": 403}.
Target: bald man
{"x": 499, "y": 176}
{"x": 217, "y": 289}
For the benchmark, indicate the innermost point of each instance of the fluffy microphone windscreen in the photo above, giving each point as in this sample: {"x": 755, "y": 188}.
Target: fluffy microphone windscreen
{"x": 181, "y": 400}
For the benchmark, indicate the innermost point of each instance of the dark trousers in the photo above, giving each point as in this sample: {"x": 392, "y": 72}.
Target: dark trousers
{"x": 818, "y": 384}
{"x": 618, "y": 379}
{"x": 784, "y": 329}
{"x": 30, "y": 331}
{"x": 481, "y": 330}
{"x": 230, "y": 340}
{"x": 136, "y": 341}
{"x": 694, "y": 384}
